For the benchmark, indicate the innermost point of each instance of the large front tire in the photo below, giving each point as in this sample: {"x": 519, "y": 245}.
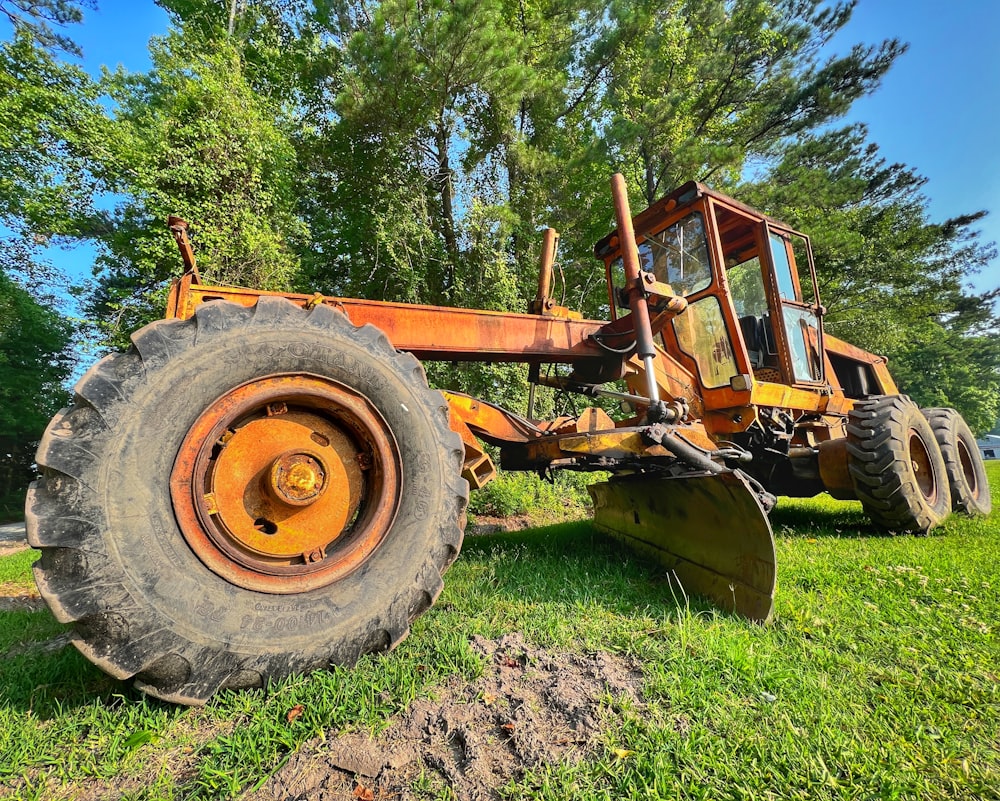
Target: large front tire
{"x": 248, "y": 494}
{"x": 896, "y": 465}
{"x": 970, "y": 489}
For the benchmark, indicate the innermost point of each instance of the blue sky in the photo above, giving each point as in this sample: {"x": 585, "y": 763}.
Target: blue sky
{"x": 938, "y": 109}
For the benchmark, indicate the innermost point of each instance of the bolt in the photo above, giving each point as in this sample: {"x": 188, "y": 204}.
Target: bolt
{"x": 211, "y": 506}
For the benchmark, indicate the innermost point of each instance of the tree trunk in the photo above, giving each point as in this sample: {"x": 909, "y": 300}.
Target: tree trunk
{"x": 443, "y": 184}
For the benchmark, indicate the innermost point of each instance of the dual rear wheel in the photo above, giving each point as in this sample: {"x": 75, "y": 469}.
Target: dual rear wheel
{"x": 910, "y": 467}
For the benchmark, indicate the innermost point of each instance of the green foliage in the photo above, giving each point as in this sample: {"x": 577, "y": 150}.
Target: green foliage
{"x": 46, "y": 109}
{"x": 35, "y": 361}
{"x": 892, "y": 281}
{"x": 941, "y": 365}
{"x": 698, "y": 87}
{"x": 526, "y": 494}
{"x": 48, "y": 112}
{"x": 34, "y": 18}
{"x": 194, "y": 139}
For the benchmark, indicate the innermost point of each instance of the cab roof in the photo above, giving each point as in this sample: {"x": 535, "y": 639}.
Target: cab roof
{"x": 684, "y": 195}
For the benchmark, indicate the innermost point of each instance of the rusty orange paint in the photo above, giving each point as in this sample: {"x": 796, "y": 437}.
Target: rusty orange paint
{"x": 287, "y": 483}
{"x": 458, "y": 334}
{"x": 878, "y": 364}
{"x": 477, "y": 466}
{"x": 485, "y": 419}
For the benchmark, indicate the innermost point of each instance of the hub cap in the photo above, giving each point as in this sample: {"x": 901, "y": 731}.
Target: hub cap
{"x": 287, "y": 483}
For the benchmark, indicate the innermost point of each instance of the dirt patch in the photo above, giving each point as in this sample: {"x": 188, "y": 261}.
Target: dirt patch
{"x": 23, "y": 601}
{"x": 530, "y": 708}
{"x": 484, "y": 524}
{"x": 11, "y": 548}
{"x": 19, "y": 597}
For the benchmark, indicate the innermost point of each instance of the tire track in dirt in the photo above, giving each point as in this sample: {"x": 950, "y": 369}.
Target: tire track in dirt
{"x": 530, "y": 708}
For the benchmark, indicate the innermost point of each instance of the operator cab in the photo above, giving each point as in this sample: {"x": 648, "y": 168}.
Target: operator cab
{"x": 750, "y": 319}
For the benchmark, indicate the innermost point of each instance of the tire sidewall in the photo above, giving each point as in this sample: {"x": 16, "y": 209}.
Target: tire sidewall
{"x": 880, "y": 463}
{"x": 953, "y": 434}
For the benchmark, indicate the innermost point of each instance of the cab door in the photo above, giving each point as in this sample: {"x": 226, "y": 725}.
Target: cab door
{"x": 801, "y": 325}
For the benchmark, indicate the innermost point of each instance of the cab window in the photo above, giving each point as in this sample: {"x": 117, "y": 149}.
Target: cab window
{"x": 746, "y": 285}
{"x": 701, "y": 333}
{"x": 782, "y": 267}
{"x": 678, "y": 255}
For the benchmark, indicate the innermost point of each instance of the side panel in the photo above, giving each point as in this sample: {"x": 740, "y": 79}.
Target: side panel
{"x": 858, "y": 371}
{"x": 434, "y": 332}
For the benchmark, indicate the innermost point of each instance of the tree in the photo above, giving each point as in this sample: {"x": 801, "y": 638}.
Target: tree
{"x": 34, "y": 18}
{"x": 191, "y": 138}
{"x": 35, "y": 362}
{"x": 48, "y": 111}
{"x": 703, "y": 86}
{"x": 47, "y": 108}
{"x": 892, "y": 280}
{"x": 947, "y": 364}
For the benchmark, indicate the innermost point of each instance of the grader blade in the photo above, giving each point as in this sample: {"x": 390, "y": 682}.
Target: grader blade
{"x": 709, "y": 531}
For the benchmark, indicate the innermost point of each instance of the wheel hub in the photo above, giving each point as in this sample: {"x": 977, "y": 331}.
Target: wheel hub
{"x": 287, "y": 483}
{"x": 297, "y": 479}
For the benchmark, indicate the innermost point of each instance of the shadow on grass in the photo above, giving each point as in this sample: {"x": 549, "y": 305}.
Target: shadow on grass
{"x": 42, "y": 673}
{"x": 573, "y": 563}
{"x": 797, "y": 518}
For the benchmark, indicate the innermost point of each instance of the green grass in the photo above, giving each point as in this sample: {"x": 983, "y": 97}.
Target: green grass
{"x": 516, "y": 494}
{"x": 877, "y": 679}
{"x": 15, "y": 571}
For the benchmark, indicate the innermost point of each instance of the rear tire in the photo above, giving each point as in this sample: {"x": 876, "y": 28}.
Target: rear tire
{"x": 970, "y": 489}
{"x": 896, "y": 465}
{"x": 135, "y": 483}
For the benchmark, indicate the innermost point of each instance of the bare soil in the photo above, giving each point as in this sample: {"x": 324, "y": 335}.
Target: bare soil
{"x": 530, "y": 708}
{"x": 485, "y": 524}
{"x": 12, "y": 538}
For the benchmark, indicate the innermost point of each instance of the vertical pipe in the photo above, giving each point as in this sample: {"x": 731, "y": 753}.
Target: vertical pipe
{"x": 550, "y": 240}
{"x": 636, "y": 297}
{"x": 543, "y": 301}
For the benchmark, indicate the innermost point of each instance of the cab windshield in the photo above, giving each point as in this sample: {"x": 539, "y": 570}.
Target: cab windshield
{"x": 678, "y": 256}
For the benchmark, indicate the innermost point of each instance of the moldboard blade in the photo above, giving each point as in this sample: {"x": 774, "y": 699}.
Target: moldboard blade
{"x": 710, "y": 531}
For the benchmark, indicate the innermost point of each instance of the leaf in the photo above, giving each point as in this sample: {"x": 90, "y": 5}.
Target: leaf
{"x": 295, "y": 712}
{"x": 137, "y": 739}
{"x": 363, "y": 793}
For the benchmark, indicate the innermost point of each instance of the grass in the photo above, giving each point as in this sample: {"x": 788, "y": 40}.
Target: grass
{"x": 878, "y": 678}
{"x": 15, "y": 573}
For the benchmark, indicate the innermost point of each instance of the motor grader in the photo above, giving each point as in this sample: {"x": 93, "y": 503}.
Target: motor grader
{"x": 264, "y": 484}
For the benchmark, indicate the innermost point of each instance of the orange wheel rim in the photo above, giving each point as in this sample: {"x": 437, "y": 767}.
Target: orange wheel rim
{"x": 923, "y": 471}
{"x": 965, "y": 459}
{"x": 287, "y": 483}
